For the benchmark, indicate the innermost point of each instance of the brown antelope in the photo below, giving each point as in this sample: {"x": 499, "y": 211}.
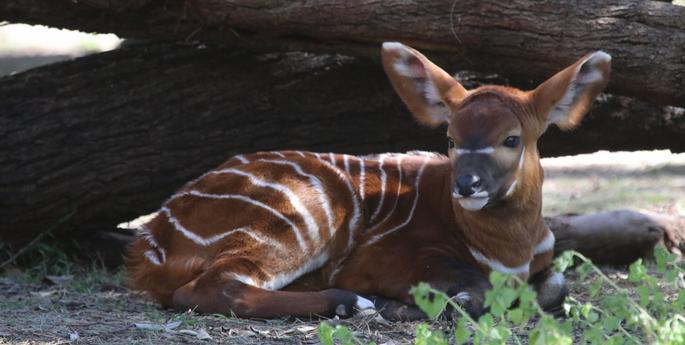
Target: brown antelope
{"x": 299, "y": 233}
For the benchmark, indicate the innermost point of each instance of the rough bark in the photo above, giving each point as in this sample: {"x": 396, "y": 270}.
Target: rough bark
{"x": 522, "y": 39}
{"x": 109, "y": 136}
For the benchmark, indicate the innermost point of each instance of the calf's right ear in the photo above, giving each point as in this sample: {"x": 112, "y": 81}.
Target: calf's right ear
{"x": 425, "y": 88}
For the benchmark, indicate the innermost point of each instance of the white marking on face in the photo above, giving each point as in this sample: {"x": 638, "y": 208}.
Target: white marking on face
{"x": 473, "y": 204}
{"x": 545, "y": 245}
{"x": 242, "y": 159}
{"x": 296, "y": 230}
{"x": 477, "y": 195}
{"x": 363, "y": 303}
{"x": 316, "y": 183}
{"x": 511, "y": 189}
{"x": 483, "y": 150}
{"x": 498, "y": 266}
{"x": 384, "y": 178}
{"x": 397, "y": 198}
{"x": 279, "y": 154}
{"x": 312, "y": 227}
{"x": 152, "y": 257}
{"x": 512, "y": 186}
{"x": 417, "y": 182}
{"x": 522, "y": 158}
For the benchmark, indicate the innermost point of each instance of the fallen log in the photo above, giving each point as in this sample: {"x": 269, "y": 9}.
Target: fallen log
{"x": 108, "y": 137}
{"x": 521, "y": 39}
{"x": 617, "y": 237}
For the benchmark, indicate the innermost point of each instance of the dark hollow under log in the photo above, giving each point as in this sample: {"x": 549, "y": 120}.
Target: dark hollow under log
{"x": 108, "y": 137}
{"x": 522, "y": 39}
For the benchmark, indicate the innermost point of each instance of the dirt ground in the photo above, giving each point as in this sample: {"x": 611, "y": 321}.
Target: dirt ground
{"x": 92, "y": 306}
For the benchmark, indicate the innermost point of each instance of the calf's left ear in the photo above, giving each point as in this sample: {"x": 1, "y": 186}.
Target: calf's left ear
{"x": 565, "y": 98}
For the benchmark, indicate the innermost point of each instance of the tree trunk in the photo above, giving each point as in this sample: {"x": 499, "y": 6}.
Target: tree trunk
{"x": 522, "y": 39}
{"x": 105, "y": 138}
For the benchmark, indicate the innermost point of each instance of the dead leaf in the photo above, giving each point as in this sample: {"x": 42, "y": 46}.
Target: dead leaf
{"x": 58, "y": 280}
{"x": 74, "y": 336}
{"x": 301, "y": 329}
{"x": 203, "y": 335}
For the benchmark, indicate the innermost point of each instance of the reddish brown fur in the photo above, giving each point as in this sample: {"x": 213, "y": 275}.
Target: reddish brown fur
{"x": 252, "y": 237}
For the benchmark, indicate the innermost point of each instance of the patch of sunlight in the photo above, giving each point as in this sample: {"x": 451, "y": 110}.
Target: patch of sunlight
{"x": 679, "y": 2}
{"x": 605, "y": 180}
{"x": 23, "y": 40}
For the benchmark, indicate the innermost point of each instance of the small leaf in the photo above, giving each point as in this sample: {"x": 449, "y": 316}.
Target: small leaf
{"x": 432, "y": 302}
{"x": 516, "y": 316}
{"x": 462, "y": 332}
{"x": 636, "y": 271}
{"x": 325, "y": 332}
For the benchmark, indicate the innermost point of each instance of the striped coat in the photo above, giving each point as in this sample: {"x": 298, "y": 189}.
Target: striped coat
{"x": 279, "y": 215}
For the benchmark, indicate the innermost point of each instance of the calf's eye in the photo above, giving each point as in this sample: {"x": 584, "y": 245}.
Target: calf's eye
{"x": 450, "y": 143}
{"x": 512, "y": 141}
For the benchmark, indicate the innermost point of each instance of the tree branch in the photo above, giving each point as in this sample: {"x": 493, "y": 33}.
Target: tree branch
{"x": 520, "y": 39}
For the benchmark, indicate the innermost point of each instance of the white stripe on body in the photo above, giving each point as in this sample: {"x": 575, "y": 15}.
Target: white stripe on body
{"x": 384, "y": 179}
{"x": 300, "y": 153}
{"x": 498, "y": 266}
{"x": 152, "y": 257}
{"x": 378, "y": 237}
{"x": 316, "y": 183}
{"x": 279, "y": 154}
{"x": 362, "y": 172}
{"x": 356, "y": 212}
{"x": 545, "y": 245}
{"x": 296, "y": 230}
{"x": 280, "y": 280}
{"x": 397, "y": 199}
{"x": 312, "y": 227}
{"x": 146, "y": 234}
{"x": 202, "y": 241}
{"x": 346, "y": 163}
{"x": 242, "y": 159}
{"x": 331, "y": 158}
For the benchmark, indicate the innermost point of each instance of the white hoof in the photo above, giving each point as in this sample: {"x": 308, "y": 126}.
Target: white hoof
{"x": 364, "y": 304}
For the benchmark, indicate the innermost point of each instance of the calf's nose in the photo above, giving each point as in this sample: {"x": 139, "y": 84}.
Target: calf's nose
{"x": 468, "y": 184}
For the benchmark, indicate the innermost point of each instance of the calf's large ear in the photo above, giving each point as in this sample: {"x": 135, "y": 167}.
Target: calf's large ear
{"x": 565, "y": 98}
{"x": 425, "y": 88}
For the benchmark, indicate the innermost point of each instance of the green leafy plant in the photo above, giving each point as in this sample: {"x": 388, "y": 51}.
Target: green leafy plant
{"x": 645, "y": 308}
